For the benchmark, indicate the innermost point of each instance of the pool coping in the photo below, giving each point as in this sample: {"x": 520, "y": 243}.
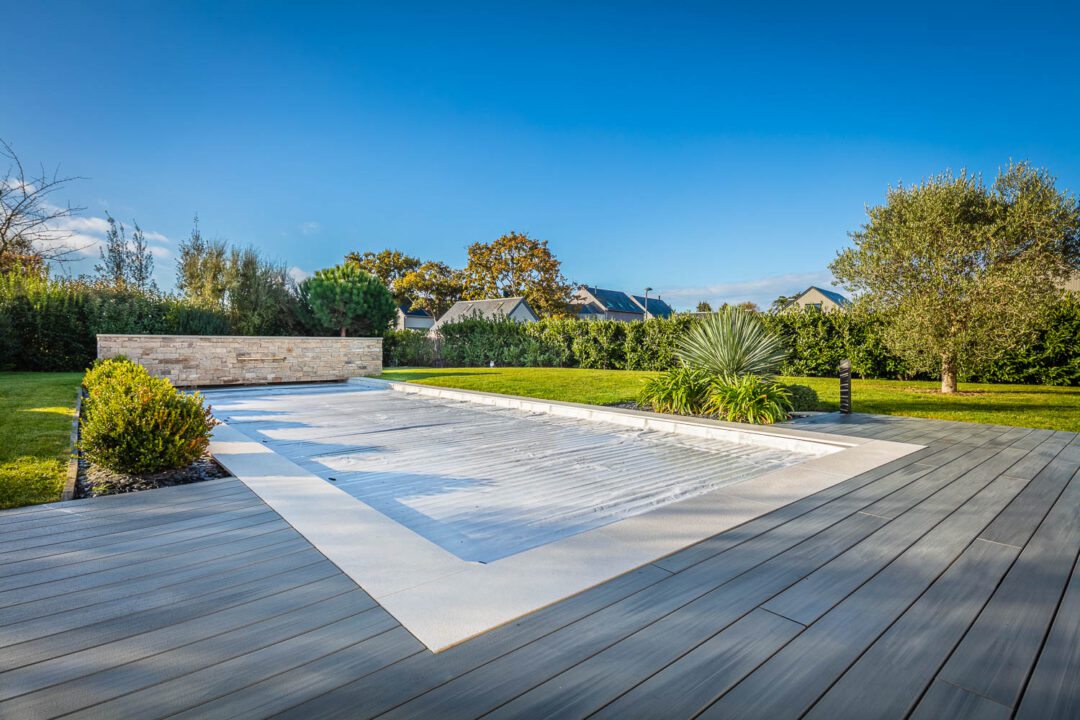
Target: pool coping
{"x": 444, "y": 600}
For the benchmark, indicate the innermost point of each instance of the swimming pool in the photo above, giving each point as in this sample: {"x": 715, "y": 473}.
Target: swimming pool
{"x": 459, "y": 511}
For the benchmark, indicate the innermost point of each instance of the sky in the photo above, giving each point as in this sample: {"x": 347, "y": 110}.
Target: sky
{"x": 709, "y": 153}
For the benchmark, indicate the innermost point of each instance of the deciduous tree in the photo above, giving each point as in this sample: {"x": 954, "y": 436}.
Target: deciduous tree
{"x": 434, "y": 286}
{"x": 31, "y": 235}
{"x": 963, "y": 272}
{"x": 390, "y": 266}
{"x": 704, "y": 307}
{"x": 517, "y": 265}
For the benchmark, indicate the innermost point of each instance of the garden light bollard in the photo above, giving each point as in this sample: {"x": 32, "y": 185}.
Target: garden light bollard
{"x": 845, "y": 386}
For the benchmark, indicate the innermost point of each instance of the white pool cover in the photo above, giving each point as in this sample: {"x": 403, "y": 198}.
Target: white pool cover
{"x": 484, "y": 482}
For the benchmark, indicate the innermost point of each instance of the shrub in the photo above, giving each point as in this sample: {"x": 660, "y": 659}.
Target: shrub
{"x": 748, "y": 398}
{"x": 803, "y": 397}
{"x": 407, "y": 348}
{"x": 135, "y": 423}
{"x": 681, "y": 391}
{"x": 731, "y": 342}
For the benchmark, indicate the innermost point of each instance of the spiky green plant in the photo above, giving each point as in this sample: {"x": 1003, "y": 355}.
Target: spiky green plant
{"x": 731, "y": 342}
{"x": 681, "y": 391}
{"x": 748, "y": 398}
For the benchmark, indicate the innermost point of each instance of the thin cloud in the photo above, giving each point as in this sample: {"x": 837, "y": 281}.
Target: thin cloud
{"x": 310, "y": 227}
{"x": 761, "y": 291}
{"x": 298, "y": 275}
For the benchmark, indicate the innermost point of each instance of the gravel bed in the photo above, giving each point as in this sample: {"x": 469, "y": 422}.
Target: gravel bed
{"x": 94, "y": 481}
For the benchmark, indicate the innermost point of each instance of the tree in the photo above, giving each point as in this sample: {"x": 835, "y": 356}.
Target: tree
{"x": 259, "y": 294}
{"x": 781, "y": 302}
{"x": 140, "y": 261}
{"x": 748, "y": 306}
{"x": 517, "y": 265}
{"x": 962, "y": 272}
{"x": 202, "y": 272}
{"x": 434, "y": 286}
{"x": 113, "y": 268}
{"x": 390, "y": 266}
{"x": 347, "y": 298}
{"x": 31, "y": 235}
{"x": 704, "y": 307}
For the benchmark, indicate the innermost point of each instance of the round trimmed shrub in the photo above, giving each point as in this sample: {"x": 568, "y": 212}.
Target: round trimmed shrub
{"x": 803, "y": 397}
{"x": 135, "y": 423}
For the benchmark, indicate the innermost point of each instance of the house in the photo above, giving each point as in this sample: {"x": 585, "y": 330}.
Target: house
{"x": 409, "y": 319}
{"x": 824, "y": 300}
{"x": 1073, "y": 283}
{"x": 515, "y": 308}
{"x": 593, "y": 303}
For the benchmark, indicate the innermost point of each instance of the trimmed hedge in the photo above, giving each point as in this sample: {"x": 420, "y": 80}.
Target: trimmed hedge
{"x": 563, "y": 342}
{"x": 52, "y": 325}
{"x": 816, "y": 343}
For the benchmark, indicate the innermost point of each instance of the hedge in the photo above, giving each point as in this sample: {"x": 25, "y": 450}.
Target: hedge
{"x": 52, "y": 325}
{"x": 816, "y": 343}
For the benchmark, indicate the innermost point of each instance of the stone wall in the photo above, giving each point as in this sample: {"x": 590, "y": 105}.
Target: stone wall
{"x": 197, "y": 360}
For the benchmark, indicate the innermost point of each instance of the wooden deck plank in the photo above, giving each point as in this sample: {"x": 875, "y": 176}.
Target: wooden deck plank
{"x": 997, "y": 655}
{"x": 1018, "y": 522}
{"x": 740, "y": 592}
{"x": 817, "y": 594}
{"x": 65, "y": 645}
{"x": 111, "y": 678}
{"x": 948, "y": 701}
{"x": 1052, "y": 692}
{"x": 695, "y": 680}
{"x": 176, "y": 614}
{"x": 76, "y": 510}
{"x": 796, "y": 677}
{"x": 61, "y": 528}
{"x": 141, "y": 530}
{"x": 178, "y": 577}
{"x": 141, "y": 570}
{"x": 149, "y": 553}
{"x": 251, "y": 662}
{"x": 400, "y": 682}
{"x": 893, "y": 674}
{"x": 13, "y": 633}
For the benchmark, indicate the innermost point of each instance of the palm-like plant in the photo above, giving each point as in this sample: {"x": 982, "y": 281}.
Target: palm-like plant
{"x": 731, "y": 343}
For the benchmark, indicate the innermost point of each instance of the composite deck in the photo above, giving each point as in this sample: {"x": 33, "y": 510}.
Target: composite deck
{"x": 941, "y": 585}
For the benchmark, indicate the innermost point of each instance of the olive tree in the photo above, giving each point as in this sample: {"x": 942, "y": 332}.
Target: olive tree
{"x": 347, "y": 299}
{"x": 963, "y": 272}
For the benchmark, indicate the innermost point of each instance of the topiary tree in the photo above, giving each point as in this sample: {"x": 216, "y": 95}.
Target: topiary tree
{"x": 347, "y": 299}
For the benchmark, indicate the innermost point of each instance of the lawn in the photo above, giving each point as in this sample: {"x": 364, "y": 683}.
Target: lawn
{"x": 1035, "y": 406}
{"x": 36, "y": 410}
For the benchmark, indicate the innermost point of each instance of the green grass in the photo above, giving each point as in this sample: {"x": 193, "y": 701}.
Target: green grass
{"x": 594, "y": 387}
{"x": 1035, "y": 406}
{"x": 36, "y": 410}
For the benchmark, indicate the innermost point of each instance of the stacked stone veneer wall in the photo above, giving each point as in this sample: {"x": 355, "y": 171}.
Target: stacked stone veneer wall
{"x": 196, "y": 360}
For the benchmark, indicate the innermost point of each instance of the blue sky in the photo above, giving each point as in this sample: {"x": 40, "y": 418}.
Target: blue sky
{"x": 709, "y": 153}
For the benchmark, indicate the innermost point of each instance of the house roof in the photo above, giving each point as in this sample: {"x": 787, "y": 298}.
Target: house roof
{"x": 834, "y": 296}
{"x": 657, "y": 307}
{"x": 622, "y": 302}
{"x": 488, "y": 309}
{"x": 614, "y": 300}
{"x": 407, "y": 311}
